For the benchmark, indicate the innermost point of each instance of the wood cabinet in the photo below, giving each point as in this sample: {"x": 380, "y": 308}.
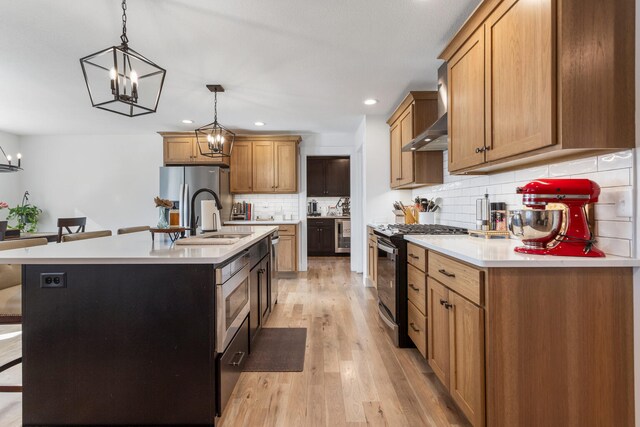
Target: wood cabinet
{"x": 529, "y": 82}
{"x": 456, "y": 354}
{"x": 417, "y": 111}
{"x": 372, "y": 257}
{"x": 288, "y": 248}
{"x": 181, "y": 148}
{"x": 328, "y": 177}
{"x": 321, "y": 237}
{"x": 240, "y": 170}
{"x": 264, "y": 164}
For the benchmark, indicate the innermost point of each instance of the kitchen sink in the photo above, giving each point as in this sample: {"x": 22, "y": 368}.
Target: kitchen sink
{"x": 214, "y": 238}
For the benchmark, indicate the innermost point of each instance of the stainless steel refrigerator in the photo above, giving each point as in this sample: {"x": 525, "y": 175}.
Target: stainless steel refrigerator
{"x": 179, "y": 183}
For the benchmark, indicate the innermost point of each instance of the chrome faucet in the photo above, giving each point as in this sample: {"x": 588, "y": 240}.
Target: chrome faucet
{"x": 193, "y": 220}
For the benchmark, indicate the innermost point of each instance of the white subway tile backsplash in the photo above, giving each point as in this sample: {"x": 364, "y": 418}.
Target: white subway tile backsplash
{"x": 573, "y": 167}
{"x": 275, "y": 204}
{"x": 622, "y": 160}
{"x": 613, "y": 172}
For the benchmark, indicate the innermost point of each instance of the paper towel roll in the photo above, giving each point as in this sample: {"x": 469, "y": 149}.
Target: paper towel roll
{"x": 208, "y": 211}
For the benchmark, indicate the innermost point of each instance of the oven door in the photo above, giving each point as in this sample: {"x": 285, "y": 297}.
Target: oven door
{"x": 387, "y": 292}
{"x": 232, "y": 303}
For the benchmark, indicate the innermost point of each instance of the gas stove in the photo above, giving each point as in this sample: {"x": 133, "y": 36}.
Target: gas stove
{"x": 431, "y": 229}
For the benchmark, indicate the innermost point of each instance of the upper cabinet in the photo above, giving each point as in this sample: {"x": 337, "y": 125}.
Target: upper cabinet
{"x": 181, "y": 148}
{"x": 534, "y": 80}
{"x": 264, "y": 164}
{"x": 417, "y": 111}
{"x": 328, "y": 177}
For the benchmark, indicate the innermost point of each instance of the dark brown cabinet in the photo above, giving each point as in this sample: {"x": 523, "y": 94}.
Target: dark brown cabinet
{"x": 260, "y": 295}
{"x": 328, "y": 177}
{"x": 321, "y": 237}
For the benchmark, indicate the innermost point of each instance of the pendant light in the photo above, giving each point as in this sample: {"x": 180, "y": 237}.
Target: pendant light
{"x": 214, "y": 136}
{"x": 121, "y": 80}
{"x": 9, "y": 167}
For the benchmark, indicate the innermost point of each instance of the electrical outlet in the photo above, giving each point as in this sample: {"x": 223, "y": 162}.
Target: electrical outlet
{"x": 624, "y": 203}
{"x": 53, "y": 280}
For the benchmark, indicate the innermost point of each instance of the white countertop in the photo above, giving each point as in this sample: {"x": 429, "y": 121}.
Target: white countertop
{"x": 494, "y": 253}
{"x": 329, "y": 217}
{"x": 276, "y": 222}
{"x": 135, "y": 248}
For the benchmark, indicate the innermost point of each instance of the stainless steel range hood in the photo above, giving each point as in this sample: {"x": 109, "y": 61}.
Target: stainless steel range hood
{"x": 435, "y": 138}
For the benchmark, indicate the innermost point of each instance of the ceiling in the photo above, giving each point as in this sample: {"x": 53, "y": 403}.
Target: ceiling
{"x": 297, "y": 65}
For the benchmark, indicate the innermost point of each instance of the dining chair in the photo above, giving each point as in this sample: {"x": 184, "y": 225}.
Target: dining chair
{"x": 128, "y": 230}
{"x": 11, "y": 297}
{"x": 66, "y": 224}
{"x": 85, "y": 236}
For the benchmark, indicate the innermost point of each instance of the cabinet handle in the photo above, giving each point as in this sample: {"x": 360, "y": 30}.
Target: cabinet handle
{"x": 237, "y": 362}
{"x": 413, "y": 326}
{"x": 414, "y": 256}
{"x": 399, "y": 179}
{"x": 487, "y": 148}
{"x": 481, "y": 150}
{"x": 442, "y": 302}
{"x": 447, "y": 305}
{"x": 446, "y": 273}
{"x": 412, "y": 286}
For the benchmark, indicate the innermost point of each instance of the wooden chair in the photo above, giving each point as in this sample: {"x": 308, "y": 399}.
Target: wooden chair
{"x": 138, "y": 229}
{"x": 11, "y": 297}
{"x": 85, "y": 236}
{"x": 67, "y": 223}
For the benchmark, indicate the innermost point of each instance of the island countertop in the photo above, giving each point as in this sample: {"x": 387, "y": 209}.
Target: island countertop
{"x": 497, "y": 253}
{"x": 135, "y": 248}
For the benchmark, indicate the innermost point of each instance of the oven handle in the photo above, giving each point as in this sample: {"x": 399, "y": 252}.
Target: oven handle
{"x": 387, "y": 249}
{"x": 235, "y": 281}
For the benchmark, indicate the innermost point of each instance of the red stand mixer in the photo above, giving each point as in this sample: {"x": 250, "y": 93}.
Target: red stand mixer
{"x": 561, "y": 232}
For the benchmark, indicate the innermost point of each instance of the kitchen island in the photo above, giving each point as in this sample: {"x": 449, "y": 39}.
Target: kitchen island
{"x": 121, "y": 330}
{"x": 524, "y": 339}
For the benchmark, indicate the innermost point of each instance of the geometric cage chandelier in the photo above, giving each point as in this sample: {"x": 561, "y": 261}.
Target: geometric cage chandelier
{"x": 121, "y": 80}
{"x": 214, "y": 136}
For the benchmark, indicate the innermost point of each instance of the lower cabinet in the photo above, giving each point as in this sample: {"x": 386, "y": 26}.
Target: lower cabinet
{"x": 372, "y": 262}
{"x": 230, "y": 365}
{"x": 287, "y": 248}
{"x": 456, "y": 348}
{"x": 259, "y": 294}
{"x": 321, "y": 237}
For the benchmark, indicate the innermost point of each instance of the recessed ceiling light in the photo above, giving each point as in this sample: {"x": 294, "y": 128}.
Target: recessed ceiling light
{"x": 259, "y": 123}
{"x": 187, "y": 121}
{"x": 370, "y": 101}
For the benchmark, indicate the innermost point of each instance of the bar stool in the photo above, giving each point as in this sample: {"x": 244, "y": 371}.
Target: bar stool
{"x": 67, "y": 223}
{"x": 85, "y": 236}
{"x": 128, "y": 230}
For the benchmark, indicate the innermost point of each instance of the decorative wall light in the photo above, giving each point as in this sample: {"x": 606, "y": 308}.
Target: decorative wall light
{"x": 121, "y": 80}
{"x": 214, "y": 136}
{"x": 9, "y": 167}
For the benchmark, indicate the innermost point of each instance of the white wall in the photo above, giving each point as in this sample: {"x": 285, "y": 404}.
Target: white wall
{"x": 111, "y": 180}
{"x": 11, "y": 188}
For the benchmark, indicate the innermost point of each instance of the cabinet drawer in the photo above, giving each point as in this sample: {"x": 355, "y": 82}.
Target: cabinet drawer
{"x": 230, "y": 365}
{"x": 287, "y": 229}
{"x": 416, "y": 288}
{"x": 417, "y": 328}
{"x": 459, "y": 277}
{"x": 417, "y": 256}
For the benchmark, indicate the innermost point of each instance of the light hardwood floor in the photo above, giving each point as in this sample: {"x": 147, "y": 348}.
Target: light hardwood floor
{"x": 353, "y": 375}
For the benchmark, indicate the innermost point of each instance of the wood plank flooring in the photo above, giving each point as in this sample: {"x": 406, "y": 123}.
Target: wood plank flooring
{"x": 353, "y": 374}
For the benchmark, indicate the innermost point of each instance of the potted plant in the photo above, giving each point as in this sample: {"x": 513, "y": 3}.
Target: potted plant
{"x": 26, "y": 215}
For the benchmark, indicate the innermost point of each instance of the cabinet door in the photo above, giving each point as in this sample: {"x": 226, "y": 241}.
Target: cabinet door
{"x": 337, "y": 177}
{"x": 372, "y": 261}
{"x": 263, "y": 167}
{"x": 254, "y": 304}
{"x": 406, "y": 158}
{"x": 286, "y": 166}
{"x": 466, "y": 381}
{"x": 467, "y": 104}
{"x": 287, "y": 253}
{"x": 396, "y": 154}
{"x": 520, "y": 78}
{"x": 315, "y": 177}
{"x": 241, "y": 169}
{"x": 438, "y": 330}
{"x": 178, "y": 150}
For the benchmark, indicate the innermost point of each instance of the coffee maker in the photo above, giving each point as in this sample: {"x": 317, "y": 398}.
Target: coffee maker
{"x": 561, "y": 232}
{"x": 312, "y": 208}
